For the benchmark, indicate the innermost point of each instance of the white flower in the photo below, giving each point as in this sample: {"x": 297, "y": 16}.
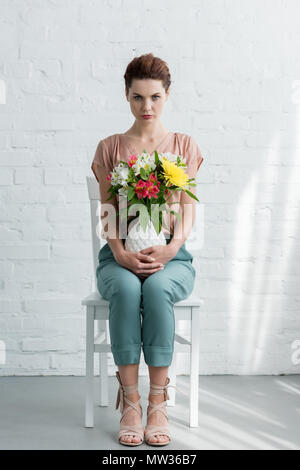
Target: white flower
{"x": 123, "y": 191}
{"x": 145, "y": 161}
{"x": 120, "y": 175}
{"x": 171, "y": 157}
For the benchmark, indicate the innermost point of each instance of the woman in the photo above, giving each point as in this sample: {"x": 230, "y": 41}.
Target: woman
{"x": 154, "y": 278}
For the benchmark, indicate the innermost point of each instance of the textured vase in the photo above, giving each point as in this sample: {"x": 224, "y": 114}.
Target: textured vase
{"x": 138, "y": 239}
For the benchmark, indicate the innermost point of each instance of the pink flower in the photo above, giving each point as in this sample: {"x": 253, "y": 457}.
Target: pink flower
{"x": 152, "y": 189}
{"x": 152, "y": 177}
{"x": 140, "y": 189}
{"x": 132, "y": 160}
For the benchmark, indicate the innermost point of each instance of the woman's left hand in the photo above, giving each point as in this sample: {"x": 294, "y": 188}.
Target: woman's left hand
{"x": 161, "y": 254}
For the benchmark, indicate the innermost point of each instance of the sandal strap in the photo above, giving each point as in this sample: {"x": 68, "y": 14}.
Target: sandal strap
{"x": 157, "y": 407}
{"x": 126, "y": 429}
{"x": 152, "y": 430}
{"x": 131, "y": 404}
{"x": 133, "y": 430}
{"x": 122, "y": 392}
{"x": 159, "y": 389}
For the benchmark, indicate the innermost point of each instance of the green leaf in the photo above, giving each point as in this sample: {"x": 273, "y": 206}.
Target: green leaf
{"x": 144, "y": 219}
{"x": 156, "y": 221}
{"x": 143, "y": 174}
{"x": 191, "y": 194}
{"x": 130, "y": 193}
{"x": 176, "y": 215}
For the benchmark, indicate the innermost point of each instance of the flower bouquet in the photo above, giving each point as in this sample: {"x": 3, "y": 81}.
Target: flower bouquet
{"x": 148, "y": 182}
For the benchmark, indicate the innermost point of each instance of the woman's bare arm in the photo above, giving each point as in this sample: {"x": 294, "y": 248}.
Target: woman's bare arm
{"x": 108, "y": 214}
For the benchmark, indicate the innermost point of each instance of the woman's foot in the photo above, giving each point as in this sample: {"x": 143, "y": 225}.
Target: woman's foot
{"x": 131, "y": 418}
{"x": 157, "y": 419}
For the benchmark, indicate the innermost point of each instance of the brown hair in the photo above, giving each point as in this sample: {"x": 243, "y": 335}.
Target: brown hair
{"x": 147, "y": 66}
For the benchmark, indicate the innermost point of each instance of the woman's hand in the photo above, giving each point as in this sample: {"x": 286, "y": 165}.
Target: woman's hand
{"x": 161, "y": 253}
{"x": 140, "y": 264}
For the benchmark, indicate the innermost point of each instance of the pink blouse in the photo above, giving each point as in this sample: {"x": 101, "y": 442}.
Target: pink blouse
{"x": 116, "y": 147}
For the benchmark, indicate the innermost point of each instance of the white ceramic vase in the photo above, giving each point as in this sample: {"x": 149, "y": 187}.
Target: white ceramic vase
{"x": 138, "y": 239}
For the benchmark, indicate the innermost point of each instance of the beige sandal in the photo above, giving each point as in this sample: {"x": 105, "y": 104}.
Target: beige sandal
{"x": 127, "y": 429}
{"x": 152, "y": 429}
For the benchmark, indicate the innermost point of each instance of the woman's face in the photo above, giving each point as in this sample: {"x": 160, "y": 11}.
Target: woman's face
{"x": 147, "y": 97}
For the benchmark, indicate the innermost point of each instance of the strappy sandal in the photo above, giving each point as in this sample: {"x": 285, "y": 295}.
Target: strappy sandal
{"x": 152, "y": 429}
{"x": 129, "y": 429}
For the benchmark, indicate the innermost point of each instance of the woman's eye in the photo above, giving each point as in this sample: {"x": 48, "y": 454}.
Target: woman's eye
{"x": 137, "y": 97}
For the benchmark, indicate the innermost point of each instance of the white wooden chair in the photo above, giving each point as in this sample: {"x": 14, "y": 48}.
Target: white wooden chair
{"x": 97, "y": 309}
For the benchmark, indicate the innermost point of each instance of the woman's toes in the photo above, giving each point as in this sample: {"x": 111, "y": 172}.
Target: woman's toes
{"x": 159, "y": 438}
{"x": 156, "y": 439}
{"x": 130, "y": 439}
{"x": 162, "y": 438}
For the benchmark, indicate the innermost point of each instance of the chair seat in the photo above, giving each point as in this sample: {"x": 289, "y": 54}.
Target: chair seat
{"x": 96, "y": 299}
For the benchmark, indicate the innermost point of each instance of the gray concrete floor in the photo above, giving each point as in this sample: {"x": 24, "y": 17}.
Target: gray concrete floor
{"x": 235, "y": 412}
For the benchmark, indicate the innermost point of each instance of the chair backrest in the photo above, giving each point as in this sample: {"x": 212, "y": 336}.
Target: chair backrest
{"x": 192, "y": 243}
{"x": 95, "y": 208}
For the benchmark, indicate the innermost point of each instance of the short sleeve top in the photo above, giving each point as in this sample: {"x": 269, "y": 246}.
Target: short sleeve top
{"x": 114, "y": 148}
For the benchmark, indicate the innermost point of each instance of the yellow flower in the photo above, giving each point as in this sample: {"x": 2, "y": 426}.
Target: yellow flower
{"x": 174, "y": 174}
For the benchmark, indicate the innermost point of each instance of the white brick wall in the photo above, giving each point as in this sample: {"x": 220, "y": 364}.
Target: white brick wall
{"x": 236, "y": 90}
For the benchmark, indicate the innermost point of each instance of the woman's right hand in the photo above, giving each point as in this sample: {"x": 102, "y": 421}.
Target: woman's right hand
{"x": 140, "y": 264}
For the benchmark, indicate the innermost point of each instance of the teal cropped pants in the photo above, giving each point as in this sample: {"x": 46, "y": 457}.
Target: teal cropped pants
{"x": 151, "y": 298}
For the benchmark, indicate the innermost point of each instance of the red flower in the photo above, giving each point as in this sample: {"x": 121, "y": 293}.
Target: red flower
{"x": 141, "y": 189}
{"x": 132, "y": 160}
{"x": 152, "y": 189}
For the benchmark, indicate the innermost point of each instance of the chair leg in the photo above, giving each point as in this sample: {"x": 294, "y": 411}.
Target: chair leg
{"x": 194, "y": 367}
{"x": 89, "y": 397}
{"x": 103, "y": 368}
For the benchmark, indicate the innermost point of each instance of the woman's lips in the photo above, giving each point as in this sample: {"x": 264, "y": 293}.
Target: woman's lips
{"x": 147, "y": 116}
